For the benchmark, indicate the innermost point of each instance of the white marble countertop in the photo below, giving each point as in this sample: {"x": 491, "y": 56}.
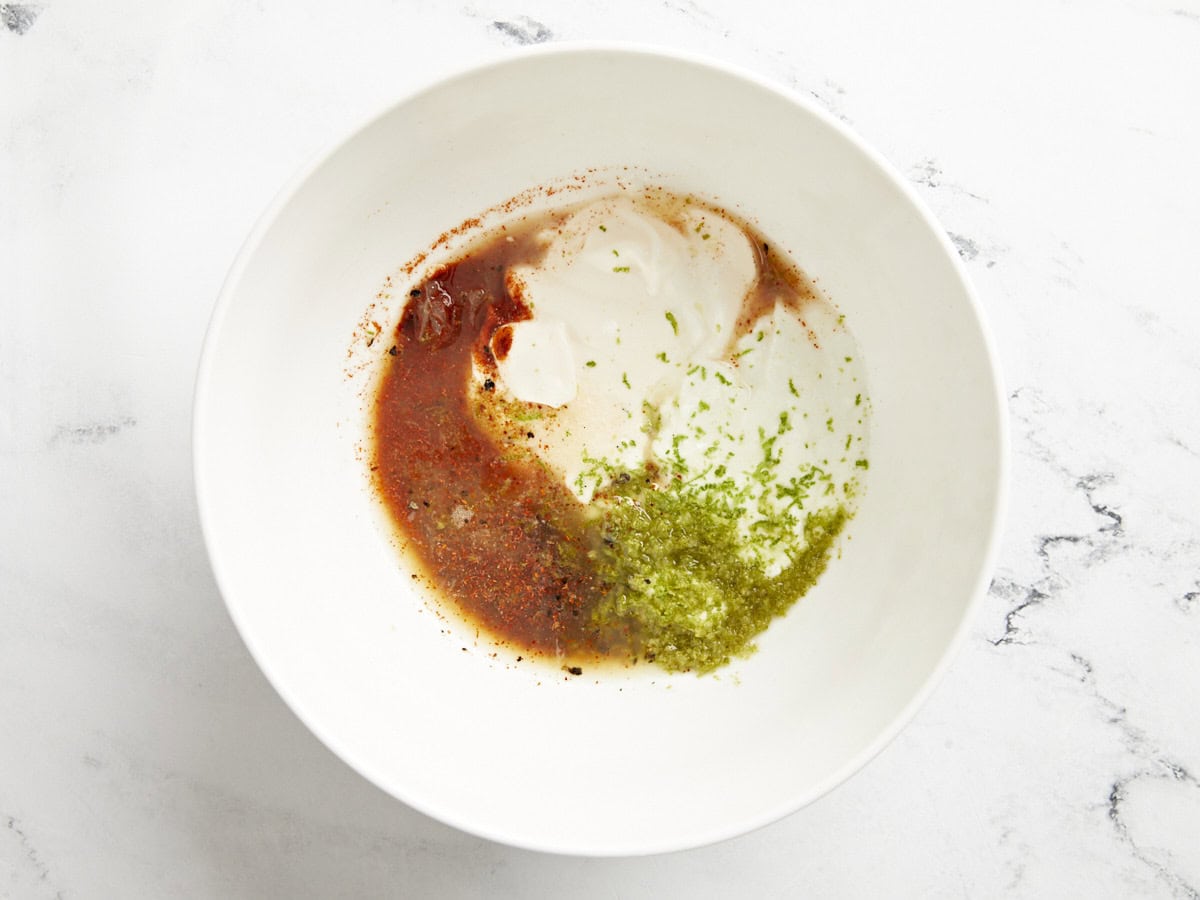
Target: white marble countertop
{"x": 141, "y": 752}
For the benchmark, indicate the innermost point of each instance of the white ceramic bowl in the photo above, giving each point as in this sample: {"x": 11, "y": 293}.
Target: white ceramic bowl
{"x": 617, "y": 764}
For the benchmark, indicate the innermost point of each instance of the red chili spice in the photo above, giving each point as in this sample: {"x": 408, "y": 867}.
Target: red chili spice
{"x": 491, "y": 528}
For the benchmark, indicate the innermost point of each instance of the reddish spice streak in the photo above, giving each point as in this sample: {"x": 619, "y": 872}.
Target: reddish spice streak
{"x": 495, "y": 532}
{"x": 778, "y": 282}
{"x": 502, "y": 343}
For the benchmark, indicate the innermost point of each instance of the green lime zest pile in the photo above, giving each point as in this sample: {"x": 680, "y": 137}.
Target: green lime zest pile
{"x": 698, "y": 567}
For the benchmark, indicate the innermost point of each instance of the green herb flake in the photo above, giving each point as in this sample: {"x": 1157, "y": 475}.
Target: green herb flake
{"x": 653, "y": 419}
{"x": 591, "y": 364}
{"x": 858, "y": 399}
{"x": 862, "y": 464}
{"x": 671, "y": 318}
{"x": 661, "y": 356}
{"x": 620, "y": 268}
{"x": 721, "y": 378}
{"x": 625, "y": 380}
{"x": 526, "y": 413}
{"x": 829, "y": 424}
{"x": 792, "y": 388}
{"x": 602, "y": 228}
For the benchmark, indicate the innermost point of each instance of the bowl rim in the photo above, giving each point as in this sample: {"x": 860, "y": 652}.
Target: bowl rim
{"x": 473, "y": 69}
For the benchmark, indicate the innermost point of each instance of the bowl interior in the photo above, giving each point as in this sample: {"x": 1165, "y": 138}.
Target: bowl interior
{"x": 609, "y": 764}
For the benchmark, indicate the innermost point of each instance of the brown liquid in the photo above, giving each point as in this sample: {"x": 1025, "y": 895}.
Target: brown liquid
{"x": 516, "y": 565}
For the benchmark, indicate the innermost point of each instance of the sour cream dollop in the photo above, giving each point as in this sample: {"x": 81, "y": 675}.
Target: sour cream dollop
{"x": 634, "y": 353}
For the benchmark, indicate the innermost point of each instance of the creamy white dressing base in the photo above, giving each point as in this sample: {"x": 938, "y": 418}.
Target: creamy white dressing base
{"x": 629, "y": 357}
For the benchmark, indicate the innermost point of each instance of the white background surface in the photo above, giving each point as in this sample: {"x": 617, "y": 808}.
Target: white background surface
{"x": 142, "y": 754}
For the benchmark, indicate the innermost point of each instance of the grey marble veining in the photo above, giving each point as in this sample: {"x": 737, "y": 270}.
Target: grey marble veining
{"x": 141, "y": 752}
